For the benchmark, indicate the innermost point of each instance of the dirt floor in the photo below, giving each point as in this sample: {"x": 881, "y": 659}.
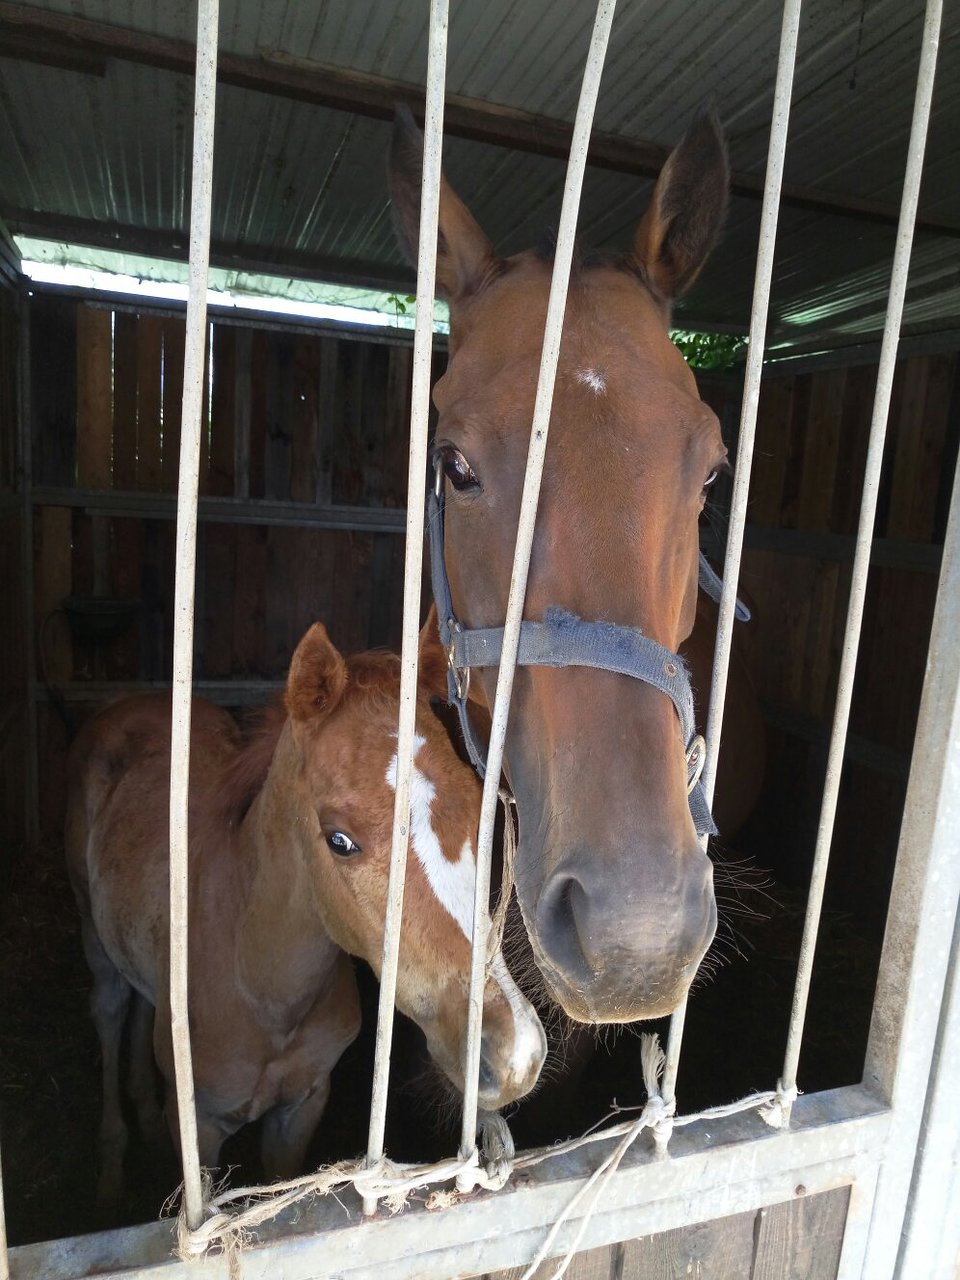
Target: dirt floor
{"x": 49, "y": 1060}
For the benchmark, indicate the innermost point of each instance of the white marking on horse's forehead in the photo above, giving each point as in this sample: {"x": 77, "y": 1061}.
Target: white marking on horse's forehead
{"x": 593, "y": 379}
{"x": 452, "y": 882}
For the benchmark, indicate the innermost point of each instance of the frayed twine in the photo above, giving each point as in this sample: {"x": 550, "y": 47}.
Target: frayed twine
{"x": 230, "y": 1217}
{"x": 777, "y": 1112}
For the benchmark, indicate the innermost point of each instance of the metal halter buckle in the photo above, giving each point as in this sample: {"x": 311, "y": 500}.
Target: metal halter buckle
{"x": 461, "y": 675}
{"x": 696, "y": 758}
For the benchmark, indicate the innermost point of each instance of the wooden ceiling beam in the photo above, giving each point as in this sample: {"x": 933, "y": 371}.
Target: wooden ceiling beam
{"x": 61, "y": 39}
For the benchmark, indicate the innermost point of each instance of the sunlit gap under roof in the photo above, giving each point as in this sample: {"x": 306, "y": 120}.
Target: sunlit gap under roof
{"x": 162, "y": 279}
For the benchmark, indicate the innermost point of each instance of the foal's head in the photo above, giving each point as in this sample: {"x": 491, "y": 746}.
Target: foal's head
{"x": 616, "y": 893}
{"x": 340, "y": 762}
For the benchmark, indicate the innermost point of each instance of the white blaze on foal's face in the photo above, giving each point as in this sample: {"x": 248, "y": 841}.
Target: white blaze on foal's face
{"x": 453, "y": 883}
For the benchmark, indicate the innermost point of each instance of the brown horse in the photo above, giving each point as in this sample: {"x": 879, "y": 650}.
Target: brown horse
{"x": 616, "y": 893}
{"x": 290, "y": 847}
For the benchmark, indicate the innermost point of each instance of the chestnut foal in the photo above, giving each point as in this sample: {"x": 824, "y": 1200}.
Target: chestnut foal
{"x": 290, "y": 845}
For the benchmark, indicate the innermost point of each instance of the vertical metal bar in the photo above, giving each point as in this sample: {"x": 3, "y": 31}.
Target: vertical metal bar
{"x": 770, "y": 212}
{"x": 521, "y": 562}
{"x": 184, "y": 593}
{"x": 931, "y": 1233}
{"x": 868, "y": 509}
{"x": 4, "y": 1254}
{"x": 413, "y": 568}
{"x": 921, "y": 921}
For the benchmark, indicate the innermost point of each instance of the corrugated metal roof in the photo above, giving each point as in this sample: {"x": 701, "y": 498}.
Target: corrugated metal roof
{"x": 297, "y": 179}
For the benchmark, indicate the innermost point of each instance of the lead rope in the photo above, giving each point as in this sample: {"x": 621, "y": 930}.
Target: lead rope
{"x": 499, "y": 919}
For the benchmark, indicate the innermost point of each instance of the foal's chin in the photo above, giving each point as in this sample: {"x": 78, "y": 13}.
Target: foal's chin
{"x": 499, "y": 1085}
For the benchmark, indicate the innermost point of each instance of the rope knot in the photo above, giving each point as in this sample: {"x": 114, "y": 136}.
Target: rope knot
{"x": 497, "y": 1149}
{"x": 776, "y": 1112}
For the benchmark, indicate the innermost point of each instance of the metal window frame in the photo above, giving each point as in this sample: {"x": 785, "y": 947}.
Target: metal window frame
{"x": 864, "y": 1136}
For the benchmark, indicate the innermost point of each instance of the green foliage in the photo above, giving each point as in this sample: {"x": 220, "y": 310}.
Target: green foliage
{"x": 400, "y": 305}
{"x": 709, "y": 350}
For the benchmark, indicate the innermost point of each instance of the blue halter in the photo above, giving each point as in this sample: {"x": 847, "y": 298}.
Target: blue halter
{"x": 564, "y": 640}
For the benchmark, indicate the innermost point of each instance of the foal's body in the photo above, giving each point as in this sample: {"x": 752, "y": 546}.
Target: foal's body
{"x": 271, "y": 1008}
{"x": 290, "y": 839}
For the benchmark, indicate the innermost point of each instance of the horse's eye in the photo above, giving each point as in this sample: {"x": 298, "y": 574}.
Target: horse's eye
{"x": 710, "y": 478}
{"x": 341, "y": 844}
{"x": 457, "y": 469}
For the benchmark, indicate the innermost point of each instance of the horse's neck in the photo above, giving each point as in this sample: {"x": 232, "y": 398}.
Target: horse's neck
{"x": 285, "y": 956}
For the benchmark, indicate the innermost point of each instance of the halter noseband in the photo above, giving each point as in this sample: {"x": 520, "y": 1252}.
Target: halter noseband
{"x": 564, "y": 640}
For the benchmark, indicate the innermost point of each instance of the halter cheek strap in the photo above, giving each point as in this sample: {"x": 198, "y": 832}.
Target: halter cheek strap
{"x": 564, "y": 640}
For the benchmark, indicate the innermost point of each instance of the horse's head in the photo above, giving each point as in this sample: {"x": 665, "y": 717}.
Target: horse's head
{"x": 343, "y": 760}
{"x": 616, "y": 893}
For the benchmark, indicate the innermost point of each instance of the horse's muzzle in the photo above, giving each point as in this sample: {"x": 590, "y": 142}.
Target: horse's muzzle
{"x": 611, "y": 952}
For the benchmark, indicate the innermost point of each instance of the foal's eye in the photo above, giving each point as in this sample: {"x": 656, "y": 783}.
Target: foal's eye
{"x": 710, "y": 478}
{"x": 457, "y": 469}
{"x": 341, "y": 844}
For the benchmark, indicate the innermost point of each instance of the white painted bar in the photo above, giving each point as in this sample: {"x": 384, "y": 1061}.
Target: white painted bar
{"x": 4, "y": 1255}
{"x": 413, "y": 566}
{"x": 184, "y": 593}
{"x": 553, "y": 328}
{"x": 769, "y": 215}
{"x": 861, "y": 559}
{"x": 931, "y": 1234}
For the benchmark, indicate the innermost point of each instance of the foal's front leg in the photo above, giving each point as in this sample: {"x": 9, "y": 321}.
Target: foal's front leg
{"x": 286, "y": 1132}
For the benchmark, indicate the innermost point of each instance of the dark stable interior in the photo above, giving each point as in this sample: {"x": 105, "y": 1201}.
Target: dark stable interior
{"x": 260, "y": 587}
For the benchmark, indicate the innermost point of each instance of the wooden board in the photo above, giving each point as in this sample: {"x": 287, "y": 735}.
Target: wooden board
{"x": 797, "y": 1240}
{"x": 173, "y": 338}
{"x": 220, "y": 471}
{"x": 53, "y": 389}
{"x": 801, "y": 1240}
{"x": 94, "y": 398}
{"x": 149, "y": 402}
{"x": 305, "y": 407}
{"x": 53, "y": 579}
{"x": 125, "y": 401}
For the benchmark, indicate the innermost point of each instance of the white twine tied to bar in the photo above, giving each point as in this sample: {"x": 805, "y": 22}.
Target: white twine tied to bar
{"x": 659, "y": 1117}
{"x": 231, "y": 1216}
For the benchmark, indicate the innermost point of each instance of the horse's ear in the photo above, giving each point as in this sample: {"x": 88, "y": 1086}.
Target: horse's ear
{"x": 432, "y": 668}
{"x": 318, "y": 676}
{"x": 687, "y": 210}
{"x": 465, "y": 256}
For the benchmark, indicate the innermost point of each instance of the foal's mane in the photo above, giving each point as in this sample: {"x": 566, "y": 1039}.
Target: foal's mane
{"x": 374, "y": 676}
{"x": 244, "y": 773}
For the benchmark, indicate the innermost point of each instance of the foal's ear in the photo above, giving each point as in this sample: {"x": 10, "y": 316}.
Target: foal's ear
{"x": 318, "y": 676}
{"x": 687, "y": 210}
{"x": 432, "y": 669}
{"x": 465, "y": 256}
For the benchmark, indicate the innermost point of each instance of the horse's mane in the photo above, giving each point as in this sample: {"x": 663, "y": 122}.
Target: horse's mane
{"x": 374, "y": 675}
{"x": 244, "y": 773}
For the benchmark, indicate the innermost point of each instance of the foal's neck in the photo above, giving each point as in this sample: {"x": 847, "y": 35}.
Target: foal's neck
{"x": 286, "y": 957}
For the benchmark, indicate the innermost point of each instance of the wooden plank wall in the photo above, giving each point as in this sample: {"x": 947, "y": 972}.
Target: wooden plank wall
{"x": 797, "y": 1240}
{"x": 291, "y": 416}
{"x": 810, "y": 452}
{"x": 13, "y": 693}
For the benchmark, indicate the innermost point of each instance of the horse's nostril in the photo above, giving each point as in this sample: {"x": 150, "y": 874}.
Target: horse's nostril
{"x": 563, "y": 898}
